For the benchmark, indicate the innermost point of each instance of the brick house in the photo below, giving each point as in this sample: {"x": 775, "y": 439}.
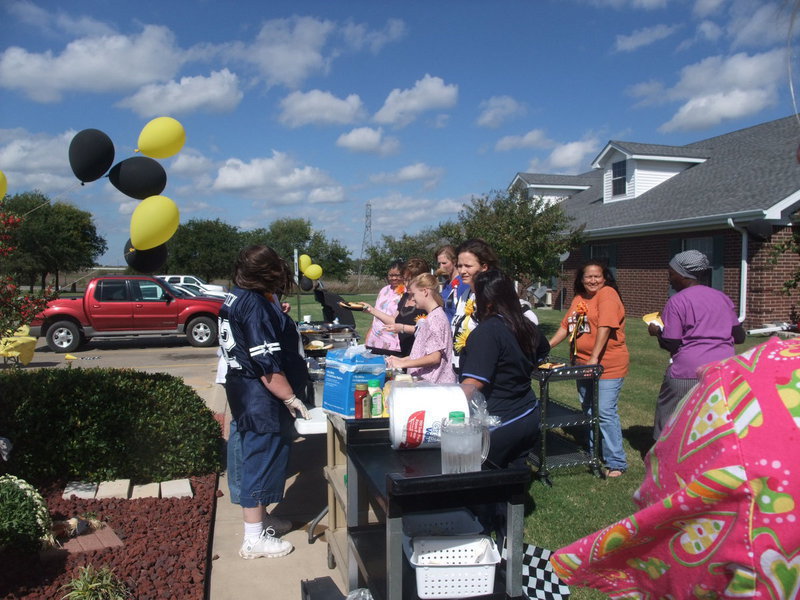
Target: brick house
{"x": 732, "y": 197}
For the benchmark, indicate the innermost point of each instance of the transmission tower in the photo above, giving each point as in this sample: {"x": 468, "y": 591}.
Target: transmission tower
{"x": 366, "y": 241}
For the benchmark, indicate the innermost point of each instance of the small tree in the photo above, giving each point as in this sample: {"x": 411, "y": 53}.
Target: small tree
{"x": 419, "y": 245}
{"x": 16, "y": 309}
{"x": 203, "y": 247}
{"x": 528, "y": 234}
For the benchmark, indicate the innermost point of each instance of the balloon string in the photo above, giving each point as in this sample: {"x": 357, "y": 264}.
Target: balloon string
{"x": 58, "y": 197}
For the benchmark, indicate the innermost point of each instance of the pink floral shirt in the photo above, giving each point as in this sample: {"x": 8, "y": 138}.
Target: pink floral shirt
{"x": 433, "y": 333}
{"x": 719, "y": 509}
{"x": 378, "y": 337}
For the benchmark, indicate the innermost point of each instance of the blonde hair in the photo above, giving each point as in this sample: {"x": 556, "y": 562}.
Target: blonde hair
{"x": 426, "y": 281}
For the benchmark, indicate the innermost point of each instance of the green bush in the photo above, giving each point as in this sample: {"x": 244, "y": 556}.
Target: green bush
{"x": 102, "y": 424}
{"x": 95, "y": 584}
{"x": 24, "y": 520}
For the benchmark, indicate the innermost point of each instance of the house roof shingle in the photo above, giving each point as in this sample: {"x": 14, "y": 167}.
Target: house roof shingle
{"x": 746, "y": 173}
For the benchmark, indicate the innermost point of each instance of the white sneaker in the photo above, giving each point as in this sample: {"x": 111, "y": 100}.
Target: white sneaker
{"x": 265, "y": 546}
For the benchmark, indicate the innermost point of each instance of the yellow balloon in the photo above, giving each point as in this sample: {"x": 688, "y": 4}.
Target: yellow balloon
{"x": 3, "y": 185}
{"x": 153, "y": 222}
{"x": 313, "y": 272}
{"x": 304, "y": 261}
{"x": 162, "y": 137}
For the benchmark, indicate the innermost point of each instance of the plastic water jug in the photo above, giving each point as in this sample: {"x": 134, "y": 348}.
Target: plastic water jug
{"x": 465, "y": 444}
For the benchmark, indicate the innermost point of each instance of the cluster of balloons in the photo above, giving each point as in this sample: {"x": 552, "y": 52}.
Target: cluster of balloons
{"x": 310, "y": 272}
{"x": 156, "y": 218}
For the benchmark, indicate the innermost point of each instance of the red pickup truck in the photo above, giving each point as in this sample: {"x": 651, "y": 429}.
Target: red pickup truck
{"x": 123, "y": 306}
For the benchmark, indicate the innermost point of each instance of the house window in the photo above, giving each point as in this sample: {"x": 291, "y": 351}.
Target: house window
{"x": 619, "y": 173}
{"x": 604, "y": 253}
{"x": 713, "y": 248}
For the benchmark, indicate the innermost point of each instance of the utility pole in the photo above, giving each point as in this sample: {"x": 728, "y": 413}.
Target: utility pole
{"x": 366, "y": 242}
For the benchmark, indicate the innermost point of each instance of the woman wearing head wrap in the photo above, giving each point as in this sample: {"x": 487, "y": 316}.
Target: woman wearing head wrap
{"x": 700, "y": 326}
{"x": 719, "y": 507}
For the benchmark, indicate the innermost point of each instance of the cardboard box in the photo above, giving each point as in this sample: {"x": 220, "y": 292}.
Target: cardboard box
{"x": 344, "y": 368}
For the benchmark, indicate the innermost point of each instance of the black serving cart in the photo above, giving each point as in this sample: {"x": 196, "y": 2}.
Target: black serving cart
{"x": 384, "y": 484}
{"x": 556, "y": 449}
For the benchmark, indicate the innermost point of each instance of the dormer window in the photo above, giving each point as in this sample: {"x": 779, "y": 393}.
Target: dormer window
{"x": 619, "y": 178}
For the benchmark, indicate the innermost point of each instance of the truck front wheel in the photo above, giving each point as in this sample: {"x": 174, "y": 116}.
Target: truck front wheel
{"x": 202, "y": 332}
{"x": 63, "y": 336}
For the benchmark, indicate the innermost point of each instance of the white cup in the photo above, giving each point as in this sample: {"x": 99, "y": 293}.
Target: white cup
{"x": 306, "y": 318}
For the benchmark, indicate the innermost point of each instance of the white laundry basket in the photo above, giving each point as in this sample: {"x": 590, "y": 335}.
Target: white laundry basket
{"x": 454, "y": 566}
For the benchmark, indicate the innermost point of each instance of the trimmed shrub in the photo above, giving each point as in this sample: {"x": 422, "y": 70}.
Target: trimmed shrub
{"x": 24, "y": 520}
{"x": 102, "y": 424}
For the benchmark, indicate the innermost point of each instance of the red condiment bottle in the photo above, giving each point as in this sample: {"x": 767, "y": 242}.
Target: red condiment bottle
{"x": 361, "y": 394}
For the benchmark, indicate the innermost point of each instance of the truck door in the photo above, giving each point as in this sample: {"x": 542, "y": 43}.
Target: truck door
{"x": 110, "y": 308}
{"x": 153, "y": 308}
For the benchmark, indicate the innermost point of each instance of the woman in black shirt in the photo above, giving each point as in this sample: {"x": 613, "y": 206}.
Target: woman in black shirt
{"x": 498, "y": 360}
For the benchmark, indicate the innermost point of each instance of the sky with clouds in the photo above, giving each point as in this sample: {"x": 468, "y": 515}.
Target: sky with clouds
{"x": 314, "y": 108}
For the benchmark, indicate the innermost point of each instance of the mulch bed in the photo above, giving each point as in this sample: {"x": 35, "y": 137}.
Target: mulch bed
{"x": 165, "y": 553}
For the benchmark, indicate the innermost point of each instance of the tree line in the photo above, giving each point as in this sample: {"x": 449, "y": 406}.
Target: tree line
{"x": 528, "y": 235}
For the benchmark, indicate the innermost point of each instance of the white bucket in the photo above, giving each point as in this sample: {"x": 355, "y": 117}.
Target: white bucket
{"x": 416, "y": 411}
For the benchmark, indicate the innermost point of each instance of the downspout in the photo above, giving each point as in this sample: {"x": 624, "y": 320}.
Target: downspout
{"x": 742, "y": 271}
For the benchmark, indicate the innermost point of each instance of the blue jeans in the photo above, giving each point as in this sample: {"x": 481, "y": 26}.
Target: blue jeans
{"x": 610, "y": 427}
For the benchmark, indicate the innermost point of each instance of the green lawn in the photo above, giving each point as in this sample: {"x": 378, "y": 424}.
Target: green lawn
{"x": 579, "y": 503}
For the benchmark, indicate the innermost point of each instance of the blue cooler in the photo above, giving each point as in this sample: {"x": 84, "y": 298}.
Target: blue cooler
{"x": 343, "y": 370}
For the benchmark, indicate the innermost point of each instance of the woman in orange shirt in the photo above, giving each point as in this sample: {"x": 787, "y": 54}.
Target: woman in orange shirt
{"x": 595, "y": 324}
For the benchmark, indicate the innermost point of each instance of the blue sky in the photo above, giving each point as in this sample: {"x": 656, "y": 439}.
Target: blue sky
{"x": 314, "y": 108}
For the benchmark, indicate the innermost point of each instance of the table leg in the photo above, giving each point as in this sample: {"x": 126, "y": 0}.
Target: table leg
{"x": 394, "y": 558}
{"x": 515, "y": 519}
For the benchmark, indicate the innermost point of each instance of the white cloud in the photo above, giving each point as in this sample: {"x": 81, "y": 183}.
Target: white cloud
{"x": 36, "y": 160}
{"x": 219, "y": 92}
{"x": 127, "y": 207}
{"x": 709, "y": 90}
{"x": 758, "y": 24}
{"x": 326, "y": 195}
{"x": 316, "y": 106}
{"x": 413, "y": 209}
{"x": 276, "y": 179}
{"x": 420, "y": 171}
{"x": 287, "y": 51}
{"x": 643, "y": 4}
{"x": 92, "y": 64}
{"x": 51, "y": 21}
{"x": 497, "y": 110}
{"x": 190, "y": 163}
{"x": 358, "y": 36}
{"x": 706, "y": 8}
{"x": 708, "y": 30}
{"x": 713, "y": 109}
{"x": 403, "y": 106}
{"x": 535, "y": 138}
{"x": 649, "y": 92}
{"x": 368, "y": 140}
{"x": 573, "y": 156}
{"x": 643, "y": 37}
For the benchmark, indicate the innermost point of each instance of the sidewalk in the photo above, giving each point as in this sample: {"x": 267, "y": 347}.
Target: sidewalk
{"x": 306, "y": 496}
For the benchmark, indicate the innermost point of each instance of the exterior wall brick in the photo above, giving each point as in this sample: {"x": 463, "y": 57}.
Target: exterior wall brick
{"x": 641, "y": 266}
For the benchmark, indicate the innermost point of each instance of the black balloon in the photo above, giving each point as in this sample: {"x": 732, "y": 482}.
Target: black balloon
{"x": 91, "y": 153}
{"x": 145, "y": 261}
{"x": 306, "y": 284}
{"x": 138, "y": 177}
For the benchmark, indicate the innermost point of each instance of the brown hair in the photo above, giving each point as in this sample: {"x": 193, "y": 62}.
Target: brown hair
{"x": 448, "y": 251}
{"x": 481, "y": 250}
{"x": 415, "y": 266}
{"x": 426, "y": 281}
{"x": 260, "y": 269}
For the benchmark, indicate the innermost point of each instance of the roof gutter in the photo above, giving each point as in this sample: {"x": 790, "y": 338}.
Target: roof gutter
{"x": 742, "y": 271}
{"x": 674, "y": 225}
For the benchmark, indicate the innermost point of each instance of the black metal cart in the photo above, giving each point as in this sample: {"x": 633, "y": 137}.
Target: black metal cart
{"x": 557, "y": 450}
